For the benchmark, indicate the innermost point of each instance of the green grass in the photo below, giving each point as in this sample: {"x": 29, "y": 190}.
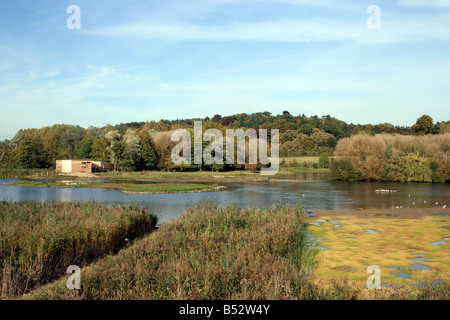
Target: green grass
{"x": 38, "y": 241}
{"x": 210, "y": 252}
{"x": 126, "y": 187}
{"x": 289, "y": 173}
{"x": 397, "y": 241}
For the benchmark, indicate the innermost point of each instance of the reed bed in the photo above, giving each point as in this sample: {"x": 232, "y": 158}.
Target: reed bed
{"x": 7, "y": 173}
{"x": 38, "y": 241}
{"x": 210, "y": 252}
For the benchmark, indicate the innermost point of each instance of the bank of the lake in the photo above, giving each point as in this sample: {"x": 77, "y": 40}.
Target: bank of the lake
{"x": 287, "y": 174}
{"x": 132, "y": 188}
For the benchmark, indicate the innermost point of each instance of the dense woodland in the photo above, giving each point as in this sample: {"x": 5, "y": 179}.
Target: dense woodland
{"x": 370, "y": 152}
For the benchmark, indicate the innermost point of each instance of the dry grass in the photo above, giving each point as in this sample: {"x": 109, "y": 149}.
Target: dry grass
{"x": 367, "y": 153}
{"x": 210, "y": 252}
{"x": 214, "y": 252}
{"x": 38, "y": 241}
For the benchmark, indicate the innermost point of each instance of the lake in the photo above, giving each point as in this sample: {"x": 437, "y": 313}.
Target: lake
{"x": 314, "y": 196}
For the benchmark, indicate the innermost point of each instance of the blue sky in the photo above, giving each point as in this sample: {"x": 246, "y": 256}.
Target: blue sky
{"x": 147, "y": 60}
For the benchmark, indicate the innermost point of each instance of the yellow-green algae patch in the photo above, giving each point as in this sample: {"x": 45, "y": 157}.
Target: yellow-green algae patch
{"x": 397, "y": 241}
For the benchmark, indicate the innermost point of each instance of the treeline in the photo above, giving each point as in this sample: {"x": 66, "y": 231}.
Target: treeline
{"x": 385, "y": 157}
{"x": 148, "y": 145}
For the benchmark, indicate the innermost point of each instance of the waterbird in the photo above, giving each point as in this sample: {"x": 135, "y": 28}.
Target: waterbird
{"x": 126, "y": 240}
{"x": 445, "y": 206}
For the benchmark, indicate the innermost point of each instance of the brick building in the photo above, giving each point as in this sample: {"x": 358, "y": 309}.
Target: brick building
{"x": 82, "y": 165}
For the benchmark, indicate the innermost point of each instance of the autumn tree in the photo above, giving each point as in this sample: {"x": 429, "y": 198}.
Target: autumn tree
{"x": 115, "y": 148}
{"x": 163, "y": 146}
{"x": 132, "y": 155}
{"x": 99, "y": 149}
{"x": 424, "y": 125}
{"x": 50, "y": 138}
{"x": 365, "y": 152}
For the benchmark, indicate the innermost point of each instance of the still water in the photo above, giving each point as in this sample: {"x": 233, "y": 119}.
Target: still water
{"x": 314, "y": 195}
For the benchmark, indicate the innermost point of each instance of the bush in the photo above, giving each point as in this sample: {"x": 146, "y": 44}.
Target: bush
{"x": 343, "y": 170}
{"x": 324, "y": 160}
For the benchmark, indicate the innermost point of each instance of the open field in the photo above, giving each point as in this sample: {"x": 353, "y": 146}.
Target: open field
{"x": 300, "y": 161}
{"x": 291, "y": 173}
{"x": 398, "y": 241}
{"x": 125, "y": 187}
{"x": 38, "y": 241}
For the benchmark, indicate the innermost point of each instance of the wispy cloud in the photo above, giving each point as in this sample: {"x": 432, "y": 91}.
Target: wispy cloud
{"x": 173, "y": 58}
{"x": 393, "y": 30}
{"x": 425, "y": 3}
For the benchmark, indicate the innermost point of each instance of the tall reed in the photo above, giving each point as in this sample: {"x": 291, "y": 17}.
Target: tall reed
{"x": 210, "y": 252}
{"x": 38, "y": 241}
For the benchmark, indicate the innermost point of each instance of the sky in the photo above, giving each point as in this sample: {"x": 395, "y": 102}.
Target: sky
{"x": 150, "y": 60}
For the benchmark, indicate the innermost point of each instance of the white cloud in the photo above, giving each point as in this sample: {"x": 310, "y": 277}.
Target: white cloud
{"x": 52, "y": 74}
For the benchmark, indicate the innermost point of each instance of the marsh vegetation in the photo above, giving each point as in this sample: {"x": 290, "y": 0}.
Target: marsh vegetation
{"x": 38, "y": 241}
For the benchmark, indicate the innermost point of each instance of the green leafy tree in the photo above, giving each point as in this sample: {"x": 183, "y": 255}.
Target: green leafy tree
{"x": 50, "y": 138}
{"x": 30, "y": 154}
{"x": 100, "y": 149}
{"x": 149, "y": 159}
{"x": 70, "y": 136}
{"x": 118, "y": 154}
{"x": 84, "y": 148}
{"x": 324, "y": 160}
